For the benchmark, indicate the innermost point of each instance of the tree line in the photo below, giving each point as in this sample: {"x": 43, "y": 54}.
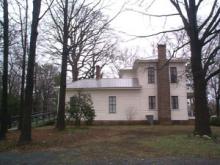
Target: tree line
{"x": 74, "y": 35}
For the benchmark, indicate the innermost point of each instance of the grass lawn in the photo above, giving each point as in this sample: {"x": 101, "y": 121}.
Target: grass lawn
{"x": 119, "y": 141}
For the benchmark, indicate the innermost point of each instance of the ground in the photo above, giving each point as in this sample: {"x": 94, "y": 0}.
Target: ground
{"x": 112, "y": 145}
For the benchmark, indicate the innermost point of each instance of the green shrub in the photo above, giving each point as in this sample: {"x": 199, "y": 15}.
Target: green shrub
{"x": 215, "y": 121}
{"x": 81, "y": 108}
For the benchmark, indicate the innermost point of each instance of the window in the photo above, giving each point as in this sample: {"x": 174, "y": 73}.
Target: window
{"x": 173, "y": 75}
{"x": 152, "y": 102}
{"x": 151, "y": 75}
{"x": 112, "y": 104}
{"x": 174, "y": 102}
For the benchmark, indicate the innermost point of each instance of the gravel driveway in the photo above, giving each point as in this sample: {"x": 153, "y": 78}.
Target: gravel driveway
{"x": 71, "y": 156}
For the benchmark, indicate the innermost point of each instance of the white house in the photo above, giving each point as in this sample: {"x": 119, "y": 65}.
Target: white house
{"x": 152, "y": 87}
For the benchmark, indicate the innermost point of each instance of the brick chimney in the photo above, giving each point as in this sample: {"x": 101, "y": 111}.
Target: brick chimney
{"x": 161, "y": 52}
{"x": 163, "y": 87}
{"x": 98, "y": 72}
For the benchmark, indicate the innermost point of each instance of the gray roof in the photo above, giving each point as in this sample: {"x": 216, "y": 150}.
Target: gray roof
{"x": 172, "y": 60}
{"x": 104, "y": 84}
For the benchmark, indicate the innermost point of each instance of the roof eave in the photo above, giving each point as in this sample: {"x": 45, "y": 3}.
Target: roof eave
{"x": 106, "y": 88}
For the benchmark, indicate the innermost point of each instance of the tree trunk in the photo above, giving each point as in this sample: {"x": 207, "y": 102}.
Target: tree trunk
{"x": 217, "y": 106}
{"x": 60, "y": 125}
{"x": 24, "y": 47}
{"x": 25, "y": 136}
{"x": 201, "y": 105}
{"x": 218, "y": 96}
{"x": 45, "y": 104}
{"x": 75, "y": 72}
{"x": 4, "y": 105}
{"x": 22, "y": 91}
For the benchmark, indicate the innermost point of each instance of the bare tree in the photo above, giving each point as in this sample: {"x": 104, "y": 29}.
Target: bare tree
{"x": 214, "y": 64}
{"x": 214, "y": 86}
{"x": 123, "y": 59}
{"x": 23, "y": 21}
{"x": 200, "y": 34}
{"x": 89, "y": 37}
{"x": 60, "y": 125}
{"x": 44, "y": 87}
{"x": 200, "y": 31}
{"x": 90, "y": 43}
{"x": 25, "y": 136}
{"x": 4, "y": 105}
{"x": 14, "y": 73}
{"x": 13, "y": 80}
{"x": 75, "y": 28}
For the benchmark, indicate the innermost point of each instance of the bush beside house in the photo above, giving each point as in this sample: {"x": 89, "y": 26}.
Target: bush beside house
{"x": 80, "y": 108}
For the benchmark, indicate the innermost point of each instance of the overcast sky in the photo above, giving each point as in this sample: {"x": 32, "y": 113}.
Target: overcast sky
{"x": 134, "y": 23}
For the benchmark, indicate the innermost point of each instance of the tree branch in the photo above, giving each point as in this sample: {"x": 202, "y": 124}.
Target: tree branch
{"x": 49, "y": 6}
{"x": 209, "y": 16}
{"x": 211, "y": 25}
{"x": 1, "y": 22}
{"x": 210, "y": 57}
{"x": 152, "y": 15}
{"x": 212, "y": 74}
{"x": 151, "y": 35}
{"x": 177, "y": 6}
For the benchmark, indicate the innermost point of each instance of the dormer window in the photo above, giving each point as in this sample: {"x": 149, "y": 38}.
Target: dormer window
{"x": 151, "y": 75}
{"x": 173, "y": 74}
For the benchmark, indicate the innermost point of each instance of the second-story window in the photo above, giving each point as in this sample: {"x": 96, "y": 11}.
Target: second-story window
{"x": 151, "y": 75}
{"x": 173, "y": 74}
